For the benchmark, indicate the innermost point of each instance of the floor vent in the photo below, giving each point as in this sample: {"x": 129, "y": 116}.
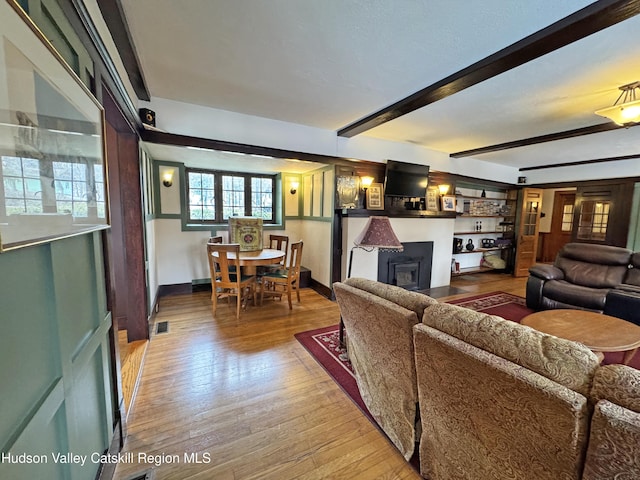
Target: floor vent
{"x": 162, "y": 327}
{"x": 148, "y": 475}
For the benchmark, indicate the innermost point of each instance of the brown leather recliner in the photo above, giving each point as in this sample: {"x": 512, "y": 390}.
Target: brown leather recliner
{"x": 624, "y": 300}
{"x": 580, "y": 278}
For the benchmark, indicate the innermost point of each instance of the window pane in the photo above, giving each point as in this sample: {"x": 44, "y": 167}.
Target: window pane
{"x": 232, "y": 196}
{"x": 31, "y": 167}
{"x": 11, "y": 166}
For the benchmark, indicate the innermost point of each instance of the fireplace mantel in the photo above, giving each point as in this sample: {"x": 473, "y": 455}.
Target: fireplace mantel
{"x": 393, "y": 213}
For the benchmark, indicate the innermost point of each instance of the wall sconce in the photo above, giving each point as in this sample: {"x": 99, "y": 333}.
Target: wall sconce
{"x": 443, "y": 189}
{"x": 167, "y": 178}
{"x": 294, "y": 187}
{"x": 366, "y": 182}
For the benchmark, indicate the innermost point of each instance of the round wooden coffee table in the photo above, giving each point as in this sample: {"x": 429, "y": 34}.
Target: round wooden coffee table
{"x": 598, "y": 332}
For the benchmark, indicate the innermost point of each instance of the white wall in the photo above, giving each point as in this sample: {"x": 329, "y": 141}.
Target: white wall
{"x": 437, "y": 230}
{"x": 199, "y": 121}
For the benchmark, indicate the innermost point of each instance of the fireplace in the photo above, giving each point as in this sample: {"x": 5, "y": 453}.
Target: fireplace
{"x": 409, "y": 269}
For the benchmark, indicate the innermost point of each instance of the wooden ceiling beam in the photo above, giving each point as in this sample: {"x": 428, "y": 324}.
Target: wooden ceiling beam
{"x": 591, "y": 19}
{"x": 551, "y": 137}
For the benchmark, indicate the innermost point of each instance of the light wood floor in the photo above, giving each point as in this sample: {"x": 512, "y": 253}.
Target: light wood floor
{"x": 251, "y": 402}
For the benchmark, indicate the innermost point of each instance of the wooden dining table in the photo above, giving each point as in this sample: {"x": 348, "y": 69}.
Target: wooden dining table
{"x": 249, "y": 261}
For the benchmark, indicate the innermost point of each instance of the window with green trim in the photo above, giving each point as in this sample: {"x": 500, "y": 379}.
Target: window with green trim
{"x": 214, "y": 196}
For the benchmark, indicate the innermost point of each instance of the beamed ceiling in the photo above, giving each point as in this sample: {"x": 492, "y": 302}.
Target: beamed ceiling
{"x": 509, "y": 82}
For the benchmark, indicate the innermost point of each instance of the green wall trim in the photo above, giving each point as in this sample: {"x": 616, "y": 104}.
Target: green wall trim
{"x": 157, "y": 185}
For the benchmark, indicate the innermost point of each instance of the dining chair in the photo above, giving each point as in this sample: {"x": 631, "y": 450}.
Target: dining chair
{"x": 219, "y": 239}
{"x": 225, "y": 281}
{"x": 279, "y": 282}
{"x": 277, "y": 242}
{"x": 280, "y": 242}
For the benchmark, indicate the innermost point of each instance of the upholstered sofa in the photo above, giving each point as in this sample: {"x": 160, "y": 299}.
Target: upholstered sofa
{"x": 581, "y": 277}
{"x": 614, "y": 441}
{"x": 499, "y": 400}
{"x": 378, "y": 319}
{"x": 495, "y": 399}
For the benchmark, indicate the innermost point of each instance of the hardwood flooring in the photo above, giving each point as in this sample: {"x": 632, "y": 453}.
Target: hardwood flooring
{"x": 132, "y": 356}
{"x": 250, "y": 402}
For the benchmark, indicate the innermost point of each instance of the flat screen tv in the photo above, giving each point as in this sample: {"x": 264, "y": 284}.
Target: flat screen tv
{"x": 406, "y": 179}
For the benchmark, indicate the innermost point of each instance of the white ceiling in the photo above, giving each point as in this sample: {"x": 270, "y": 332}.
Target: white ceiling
{"x": 328, "y": 63}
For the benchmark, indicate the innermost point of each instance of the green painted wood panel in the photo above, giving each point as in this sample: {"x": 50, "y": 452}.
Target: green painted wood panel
{"x": 29, "y": 342}
{"x": 56, "y": 395}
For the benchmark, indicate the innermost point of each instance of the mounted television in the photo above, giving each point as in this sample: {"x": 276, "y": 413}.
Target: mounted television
{"x": 406, "y": 179}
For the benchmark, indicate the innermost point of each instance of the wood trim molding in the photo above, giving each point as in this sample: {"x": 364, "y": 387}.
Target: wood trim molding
{"x": 551, "y": 137}
{"x": 582, "y": 162}
{"x": 114, "y": 18}
{"x": 165, "y": 138}
{"x": 591, "y": 19}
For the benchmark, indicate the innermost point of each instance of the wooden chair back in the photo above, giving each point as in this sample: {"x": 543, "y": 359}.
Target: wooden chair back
{"x": 217, "y": 239}
{"x": 226, "y": 277}
{"x": 295, "y": 261}
{"x": 280, "y": 242}
{"x": 222, "y": 268}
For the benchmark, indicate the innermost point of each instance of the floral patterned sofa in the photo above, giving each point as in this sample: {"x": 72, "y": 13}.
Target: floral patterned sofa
{"x": 378, "y": 319}
{"x": 495, "y": 399}
{"x": 500, "y": 400}
{"x": 614, "y": 441}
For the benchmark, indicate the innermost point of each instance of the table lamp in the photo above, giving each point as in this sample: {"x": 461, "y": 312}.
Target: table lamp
{"x": 376, "y": 234}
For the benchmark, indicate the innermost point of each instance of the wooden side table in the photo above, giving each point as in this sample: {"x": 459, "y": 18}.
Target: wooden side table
{"x": 598, "y": 332}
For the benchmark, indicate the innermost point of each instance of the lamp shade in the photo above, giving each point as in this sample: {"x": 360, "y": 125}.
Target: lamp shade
{"x": 623, "y": 114}
{"x": 377, "y": 233}
{"x": 626, "y": 111}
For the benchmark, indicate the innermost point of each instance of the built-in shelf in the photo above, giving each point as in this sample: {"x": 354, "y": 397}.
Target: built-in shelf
{"x": 466, "y": 215}
{"x": 465, "y": 271}
{"x": 476, "y": 232}
{"x": 481, "y": 250}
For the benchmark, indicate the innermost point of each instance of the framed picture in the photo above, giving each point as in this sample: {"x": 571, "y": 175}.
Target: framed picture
{"x": 347, "y": 188}
{"x": 52, "y": 165}
{"x": 433, "y": 195}
{"x": 449, "y": 203}
{"x": 375, "y": 198}
{"x": 246, "y": 231}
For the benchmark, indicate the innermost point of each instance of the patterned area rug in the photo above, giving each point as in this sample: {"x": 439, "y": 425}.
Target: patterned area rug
{"x": 502, "y": 304}
{"x": 324, "y": 345}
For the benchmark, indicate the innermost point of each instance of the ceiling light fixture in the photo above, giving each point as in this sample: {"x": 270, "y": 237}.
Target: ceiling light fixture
{"x": 626, "y": 111}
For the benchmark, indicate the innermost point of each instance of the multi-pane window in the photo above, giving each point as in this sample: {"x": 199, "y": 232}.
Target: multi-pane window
{"x": 567, "y": 217}
{"x": 79, "y": 187}
{"x": 262, "y": 198}
{"x": 41, "y": 186}
{"x": 22, "y": 188}
{"x": 202, "y": 197}
{"x": 594, "y": 218}
{"x": 232, "y": 196}
{"x": 215, "y": 196}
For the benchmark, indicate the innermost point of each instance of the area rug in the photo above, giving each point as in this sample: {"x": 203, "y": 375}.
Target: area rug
{"x": 502, "y": 304}
{"x": 324, "y": 345}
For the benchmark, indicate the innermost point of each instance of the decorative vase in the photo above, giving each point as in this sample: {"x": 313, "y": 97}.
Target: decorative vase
{"x": 470, "y": 245}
